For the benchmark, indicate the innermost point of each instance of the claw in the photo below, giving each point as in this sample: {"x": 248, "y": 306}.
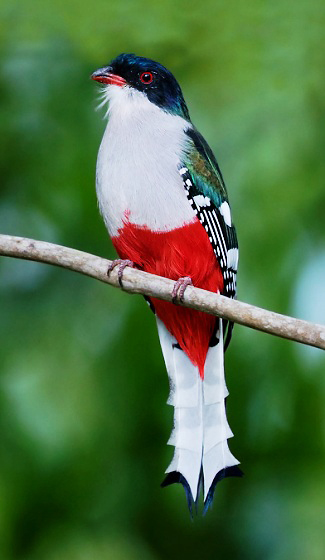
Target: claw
{"x": 121, "y": 264}
{"x": 179, "y": 289}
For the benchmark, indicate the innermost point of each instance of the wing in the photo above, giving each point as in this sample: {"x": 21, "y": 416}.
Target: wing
{"x": 207, "y": 194}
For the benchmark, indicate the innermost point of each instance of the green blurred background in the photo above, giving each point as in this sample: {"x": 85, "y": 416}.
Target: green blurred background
{"x": 83, "y": 419}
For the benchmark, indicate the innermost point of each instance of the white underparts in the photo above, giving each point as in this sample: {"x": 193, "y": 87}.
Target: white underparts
{"x": 201, "y": 429}
{"x": 137, "y": 167}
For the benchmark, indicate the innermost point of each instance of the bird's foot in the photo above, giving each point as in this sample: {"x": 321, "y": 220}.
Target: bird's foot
{"x": 121, "y": 264}
{"x": 179, "y": 289}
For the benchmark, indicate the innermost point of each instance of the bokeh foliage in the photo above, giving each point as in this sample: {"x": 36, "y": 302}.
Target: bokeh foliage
{"x": 83, "y": 420}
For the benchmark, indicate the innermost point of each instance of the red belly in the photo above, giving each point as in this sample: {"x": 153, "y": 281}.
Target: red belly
{"x": 184, "y": 251}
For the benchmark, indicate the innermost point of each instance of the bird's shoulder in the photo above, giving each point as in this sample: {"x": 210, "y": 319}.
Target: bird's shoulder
{"x": 203, "y": 167}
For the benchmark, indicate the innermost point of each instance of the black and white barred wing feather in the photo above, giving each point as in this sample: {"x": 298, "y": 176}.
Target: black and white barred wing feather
{"x": 216, "y": 221}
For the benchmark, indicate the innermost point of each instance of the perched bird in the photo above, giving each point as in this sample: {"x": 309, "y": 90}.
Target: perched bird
{"x": 164, "y": 202}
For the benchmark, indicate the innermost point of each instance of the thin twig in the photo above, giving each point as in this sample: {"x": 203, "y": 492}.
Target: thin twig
{"x": 138, "y": 282}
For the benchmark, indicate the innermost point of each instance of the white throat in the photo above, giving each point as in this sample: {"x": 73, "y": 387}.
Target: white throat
{"x": 137, "y": 167}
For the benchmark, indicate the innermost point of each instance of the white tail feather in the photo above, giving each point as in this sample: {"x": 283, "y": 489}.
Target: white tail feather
{"x": 201, "y": 429}
{"x": 216, "y": 453}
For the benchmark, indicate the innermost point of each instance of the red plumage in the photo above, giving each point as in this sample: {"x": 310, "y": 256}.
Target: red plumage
{"x": 185, "y": 251}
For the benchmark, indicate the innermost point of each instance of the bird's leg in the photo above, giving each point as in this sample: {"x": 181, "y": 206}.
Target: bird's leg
{"x": 179, "y": 289}
{"x": 121, "y": 264}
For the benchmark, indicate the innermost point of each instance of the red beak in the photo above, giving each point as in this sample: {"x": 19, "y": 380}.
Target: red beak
{"x": 104, "y": 76}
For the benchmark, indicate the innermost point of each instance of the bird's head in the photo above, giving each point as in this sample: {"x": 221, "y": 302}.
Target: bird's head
{"x": 147, "y": 77}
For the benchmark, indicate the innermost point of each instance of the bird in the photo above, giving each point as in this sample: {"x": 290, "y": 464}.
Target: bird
{"x": 164, "y": 202}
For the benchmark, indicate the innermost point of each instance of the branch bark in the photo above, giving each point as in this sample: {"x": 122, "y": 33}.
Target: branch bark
{"x": 138, "y": 282}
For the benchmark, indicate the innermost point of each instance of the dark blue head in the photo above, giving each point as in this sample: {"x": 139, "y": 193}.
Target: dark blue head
{"x": 146, "y": 76}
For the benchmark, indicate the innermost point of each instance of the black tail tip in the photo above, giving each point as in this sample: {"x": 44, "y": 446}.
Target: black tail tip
{"x": 224, "y": 473}
{"x": 176, "y": 477}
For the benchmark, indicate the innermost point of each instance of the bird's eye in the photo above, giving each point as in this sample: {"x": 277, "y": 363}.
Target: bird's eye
{"x": 146, "y": 77}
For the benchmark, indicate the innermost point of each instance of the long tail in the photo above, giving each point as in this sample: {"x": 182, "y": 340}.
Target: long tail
{"x": 201, "y": 430}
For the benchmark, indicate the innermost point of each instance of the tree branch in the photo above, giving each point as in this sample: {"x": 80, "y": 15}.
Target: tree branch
{"x": 138, "y": 282}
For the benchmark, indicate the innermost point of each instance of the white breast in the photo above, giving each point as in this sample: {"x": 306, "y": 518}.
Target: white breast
{"x": 137, "y": 166}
